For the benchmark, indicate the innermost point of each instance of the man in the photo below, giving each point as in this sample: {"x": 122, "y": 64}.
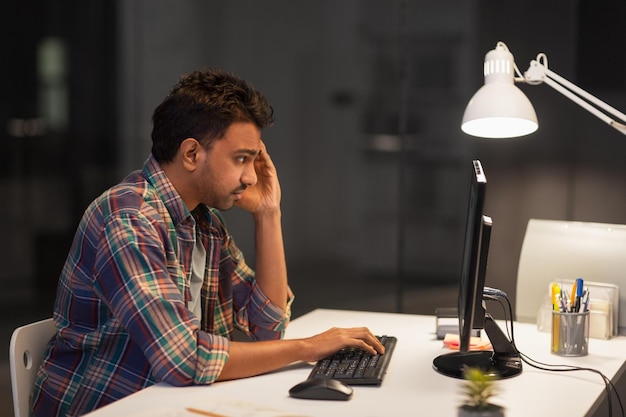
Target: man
{"x": 154, "y": 284}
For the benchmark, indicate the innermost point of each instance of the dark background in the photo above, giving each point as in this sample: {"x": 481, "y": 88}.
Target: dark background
{"x": 368, "y": 96}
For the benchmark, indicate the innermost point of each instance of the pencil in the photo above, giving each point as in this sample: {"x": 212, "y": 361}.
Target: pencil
{"x": 203, "y": 412}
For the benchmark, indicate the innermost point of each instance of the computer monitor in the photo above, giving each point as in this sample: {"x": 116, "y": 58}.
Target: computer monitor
{"x": 504, "y": 361}
{"x": 475, "y": 252}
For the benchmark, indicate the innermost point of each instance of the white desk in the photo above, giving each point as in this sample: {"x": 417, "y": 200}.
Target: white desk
{"x": 411, "y": 387}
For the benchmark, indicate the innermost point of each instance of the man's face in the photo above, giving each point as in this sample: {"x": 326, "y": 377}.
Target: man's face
{"x": 228, "y": 166}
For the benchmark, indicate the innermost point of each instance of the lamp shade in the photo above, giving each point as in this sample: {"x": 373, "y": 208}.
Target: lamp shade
{"x": 499, "y": 109}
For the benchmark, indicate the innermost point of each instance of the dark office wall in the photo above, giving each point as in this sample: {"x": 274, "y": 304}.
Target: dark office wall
{"x": 340, "y": 75}
{"x": 57, "y": 130}
{"x": 332, "y": 71}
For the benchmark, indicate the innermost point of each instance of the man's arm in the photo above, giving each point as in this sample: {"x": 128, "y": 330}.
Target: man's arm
{"x": 249, "y": 359}
{"x": 263, "y": 201}
{"x": 271, "y": 270}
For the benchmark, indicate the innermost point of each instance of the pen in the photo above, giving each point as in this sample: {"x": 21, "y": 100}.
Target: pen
{"x": 579, "y": 294}
{"x": 572, "y": 297}
{"x": 585, "y": 302}
{"x": 564, "y": 298}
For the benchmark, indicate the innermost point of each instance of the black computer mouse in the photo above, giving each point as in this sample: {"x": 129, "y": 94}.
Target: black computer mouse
{"x": 321, "y": 389}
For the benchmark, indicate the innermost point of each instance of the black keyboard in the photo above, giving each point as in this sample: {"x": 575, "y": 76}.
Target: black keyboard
{"x": 354, "y": 366}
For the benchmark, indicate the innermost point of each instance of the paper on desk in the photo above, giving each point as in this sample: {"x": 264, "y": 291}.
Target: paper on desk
{"x": 451, "y": 341}
{"x": 222, "y": 407}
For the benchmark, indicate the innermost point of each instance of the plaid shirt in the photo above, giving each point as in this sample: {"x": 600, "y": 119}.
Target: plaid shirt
{"x": 121, "y": 308}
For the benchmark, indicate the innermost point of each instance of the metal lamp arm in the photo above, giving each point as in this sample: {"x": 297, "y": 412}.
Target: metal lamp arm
{"x": 538, "y": 73}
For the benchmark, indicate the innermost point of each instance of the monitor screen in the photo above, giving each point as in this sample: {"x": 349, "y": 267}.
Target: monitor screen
{"x": 504, "y": 360}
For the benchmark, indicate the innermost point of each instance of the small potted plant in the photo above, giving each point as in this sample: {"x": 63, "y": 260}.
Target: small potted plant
{"x": 479, "y": 388}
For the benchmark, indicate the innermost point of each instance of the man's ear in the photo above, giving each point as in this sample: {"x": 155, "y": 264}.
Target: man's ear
{"x": 189, "y": 150}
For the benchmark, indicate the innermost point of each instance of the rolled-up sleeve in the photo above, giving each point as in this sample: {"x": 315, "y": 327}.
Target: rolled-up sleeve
{"x": 255, "y": 313}
{"x": 265, "y": 320}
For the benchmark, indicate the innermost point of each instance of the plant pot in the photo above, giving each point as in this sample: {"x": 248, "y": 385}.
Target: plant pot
{"x": 468, "y": 412}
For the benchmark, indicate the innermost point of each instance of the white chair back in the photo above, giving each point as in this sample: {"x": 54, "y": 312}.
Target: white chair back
{"x": 555, "y": 250}
{"x": 26, "y": 350}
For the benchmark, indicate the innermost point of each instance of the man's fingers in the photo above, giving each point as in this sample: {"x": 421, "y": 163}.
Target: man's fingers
{"x": 369, "y": 341}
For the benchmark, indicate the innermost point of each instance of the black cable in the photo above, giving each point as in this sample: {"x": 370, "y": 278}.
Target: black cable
{"x": 569, "y": 368}
{"x": 609, "y": 387}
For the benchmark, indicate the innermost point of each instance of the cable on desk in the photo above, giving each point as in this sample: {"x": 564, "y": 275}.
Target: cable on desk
{"x": 609, "y": 387}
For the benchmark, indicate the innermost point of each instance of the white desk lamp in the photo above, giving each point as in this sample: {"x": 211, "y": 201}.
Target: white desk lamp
{"x": 500, "y": 110}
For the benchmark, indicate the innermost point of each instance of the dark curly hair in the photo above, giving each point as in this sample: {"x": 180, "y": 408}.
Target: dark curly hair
{"x": 203, "y": 105}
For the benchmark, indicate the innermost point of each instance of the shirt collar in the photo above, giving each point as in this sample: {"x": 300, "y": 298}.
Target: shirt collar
{"x": 154, "y": 174}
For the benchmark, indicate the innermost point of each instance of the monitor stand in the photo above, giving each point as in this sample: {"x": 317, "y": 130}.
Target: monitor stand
{"x": 503, "y": 362}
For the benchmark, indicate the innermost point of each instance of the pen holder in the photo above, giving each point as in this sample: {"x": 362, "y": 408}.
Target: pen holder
{"x": 570, "y": 333}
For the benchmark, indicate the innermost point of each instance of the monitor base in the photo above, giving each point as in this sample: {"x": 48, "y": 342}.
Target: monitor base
{"x": 499, "y": 366}
{"x": 503, "y": 362}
